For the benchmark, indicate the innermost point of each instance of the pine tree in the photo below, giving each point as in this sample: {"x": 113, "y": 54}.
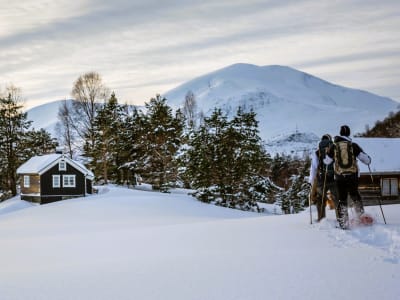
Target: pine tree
{"x": 295, "y": 198}
{"x": 13, "y": 124}
{"x": 106, "y": 131}
{"x": 225, "y": 158}
{"x": 131, "y": 147}
{"x": 37, "y": 143}
{"x": 162, "y": 139}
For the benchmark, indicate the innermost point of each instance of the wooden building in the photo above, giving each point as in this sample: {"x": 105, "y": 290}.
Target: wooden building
{"x": 381, "y": 181}
{"x": 53, "y": 177}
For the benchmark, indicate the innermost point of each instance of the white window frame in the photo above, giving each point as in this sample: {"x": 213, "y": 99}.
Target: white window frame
{"x": 27, "y": 181}
{"x": 69, "y": 181}
{"x": 62, "y": 165}
{"x": 56, "y": 181}
{"x": 390, "y": 187}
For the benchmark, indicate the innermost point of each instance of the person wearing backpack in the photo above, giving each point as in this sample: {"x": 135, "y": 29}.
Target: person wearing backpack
{"x": 322, "y": 176}
{"x": 344, "y": 155}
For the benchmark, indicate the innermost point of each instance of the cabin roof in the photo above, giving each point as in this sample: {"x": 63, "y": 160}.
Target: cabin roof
{"x": 384, "y": 153}
{"x": 40, "y": 164}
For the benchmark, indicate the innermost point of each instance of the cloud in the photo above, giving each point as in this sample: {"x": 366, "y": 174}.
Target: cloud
{"x": 146, "y": 47}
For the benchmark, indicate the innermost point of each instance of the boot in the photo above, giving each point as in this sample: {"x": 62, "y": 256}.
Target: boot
{"x": 343, "y": 217}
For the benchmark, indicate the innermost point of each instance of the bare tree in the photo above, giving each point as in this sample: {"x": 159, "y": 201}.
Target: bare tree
{"x": 90, "y": 93}
{"x": 13, "y": 93}
{"x": 190, "y": 108}
{"x": 65, "y": 127}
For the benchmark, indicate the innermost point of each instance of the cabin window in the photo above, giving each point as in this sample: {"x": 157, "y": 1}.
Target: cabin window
{"x": 62, "y": 165}
{"x": 68, "y": 180}
{"x": 27, "y": 181}
{"x": 56, "y": 181}
{"x": 390, "y": 187}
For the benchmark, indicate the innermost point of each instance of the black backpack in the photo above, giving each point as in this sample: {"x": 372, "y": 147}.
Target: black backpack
{"x": 323, "y": 147}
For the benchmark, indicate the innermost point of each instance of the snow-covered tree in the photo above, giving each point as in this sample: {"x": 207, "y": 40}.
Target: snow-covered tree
{"x": 161, "y": 140}
{"x": 106, "y": 132}
{"x": 17, "y": 142}
{"x": 295, "y": 198}
{"x": 225, "y": 157}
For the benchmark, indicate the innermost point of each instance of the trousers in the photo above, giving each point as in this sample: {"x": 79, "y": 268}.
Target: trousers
{"x": 347, "y": 185}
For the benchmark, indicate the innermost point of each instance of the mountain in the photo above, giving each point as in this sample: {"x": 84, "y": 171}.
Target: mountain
{"x": 293, "y": 108}
{"x": 45, "y": 116}
{"x": 286, "y": 100}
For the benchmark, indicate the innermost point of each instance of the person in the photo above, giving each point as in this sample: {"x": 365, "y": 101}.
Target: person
{"x": 322, "y": 176}
{"x": 345, "y": 154}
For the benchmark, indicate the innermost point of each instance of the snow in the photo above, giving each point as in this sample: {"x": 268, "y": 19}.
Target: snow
{"x": 37, "y": 163}
{"x": 284, "y": 99}
{"x": 137, "y": 244}
{"x": 45, "y": 116}
{"x": 287, "y": 101}
{"x": 384, "y": 154}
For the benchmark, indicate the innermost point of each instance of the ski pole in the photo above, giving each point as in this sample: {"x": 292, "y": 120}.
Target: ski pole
{"x": 379, "y": 199}
{"x": 323, "y": 192}
{"x": 309, "y": 206}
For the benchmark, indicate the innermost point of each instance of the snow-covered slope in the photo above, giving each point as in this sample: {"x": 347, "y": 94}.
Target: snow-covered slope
{"x": 285, "y": 100}
{"x": 130, "y": 244}
{"x": 45, "y": 116}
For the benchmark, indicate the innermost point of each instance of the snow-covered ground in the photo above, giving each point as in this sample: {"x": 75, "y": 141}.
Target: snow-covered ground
{"x": 135, "y": 244}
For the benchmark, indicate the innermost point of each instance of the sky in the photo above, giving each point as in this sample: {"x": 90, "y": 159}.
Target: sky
{"x": 136, "y": 244}
{"x": 144, "y": 48}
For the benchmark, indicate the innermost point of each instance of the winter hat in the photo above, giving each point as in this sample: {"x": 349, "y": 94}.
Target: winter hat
{"x": 326, "y": 137}
{"x": 345, "y": 130}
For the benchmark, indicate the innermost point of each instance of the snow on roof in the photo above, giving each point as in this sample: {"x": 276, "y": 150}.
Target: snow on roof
{"x": 37, "y": 164}
{"x": 383, "y": 152}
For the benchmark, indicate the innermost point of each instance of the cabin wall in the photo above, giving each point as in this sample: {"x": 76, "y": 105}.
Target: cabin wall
{"x": 58, "y": 193}
{"x": 370, "y": 187}
{"x": 34, "y": 185}
{"x": 89, "y": 187}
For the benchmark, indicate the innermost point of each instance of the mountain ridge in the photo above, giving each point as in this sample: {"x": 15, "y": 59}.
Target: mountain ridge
{"x": 285, "y": 99}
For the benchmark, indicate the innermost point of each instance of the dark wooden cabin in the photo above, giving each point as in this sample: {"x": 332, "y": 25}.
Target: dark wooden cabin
{"x": 54, "y": 177}
{"x": 381, "y": 181}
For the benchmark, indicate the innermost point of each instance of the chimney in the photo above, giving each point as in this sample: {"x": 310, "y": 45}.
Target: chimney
{"x": 59, "y": 150}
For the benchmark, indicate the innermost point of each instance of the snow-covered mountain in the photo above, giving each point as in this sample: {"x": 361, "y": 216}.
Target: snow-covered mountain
{"x": 286, "y": 101}
{"x": 45, "y": 116}
{"x": 293, "y": 108}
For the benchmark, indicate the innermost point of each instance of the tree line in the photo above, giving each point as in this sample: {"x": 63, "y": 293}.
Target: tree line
{"x": 18, "y": 142}
{"x": 222, "y": 160}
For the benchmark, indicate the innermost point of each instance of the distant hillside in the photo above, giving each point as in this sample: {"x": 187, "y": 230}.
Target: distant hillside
{"x": 45, "y": 116}
{"x": 388, "y": 128}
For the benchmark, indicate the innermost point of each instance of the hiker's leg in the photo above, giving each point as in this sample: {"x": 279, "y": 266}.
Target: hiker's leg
{"x": 342, "y": 212}
{"x": 319, "y": 203}
{"x": 355, "y": 196}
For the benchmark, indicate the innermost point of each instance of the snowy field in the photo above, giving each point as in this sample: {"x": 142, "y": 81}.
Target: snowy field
{"x": 135, "y": 244}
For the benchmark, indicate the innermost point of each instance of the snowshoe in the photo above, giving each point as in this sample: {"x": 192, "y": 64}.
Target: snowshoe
{"x": 363, "y": 220}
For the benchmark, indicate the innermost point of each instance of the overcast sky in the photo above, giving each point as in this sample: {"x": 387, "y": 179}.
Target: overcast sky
{"x": 142, "y": 48}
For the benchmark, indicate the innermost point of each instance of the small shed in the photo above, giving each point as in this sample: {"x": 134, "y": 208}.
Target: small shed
{"x": 382, "y": 181}
{"x": 54, "y": 177}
